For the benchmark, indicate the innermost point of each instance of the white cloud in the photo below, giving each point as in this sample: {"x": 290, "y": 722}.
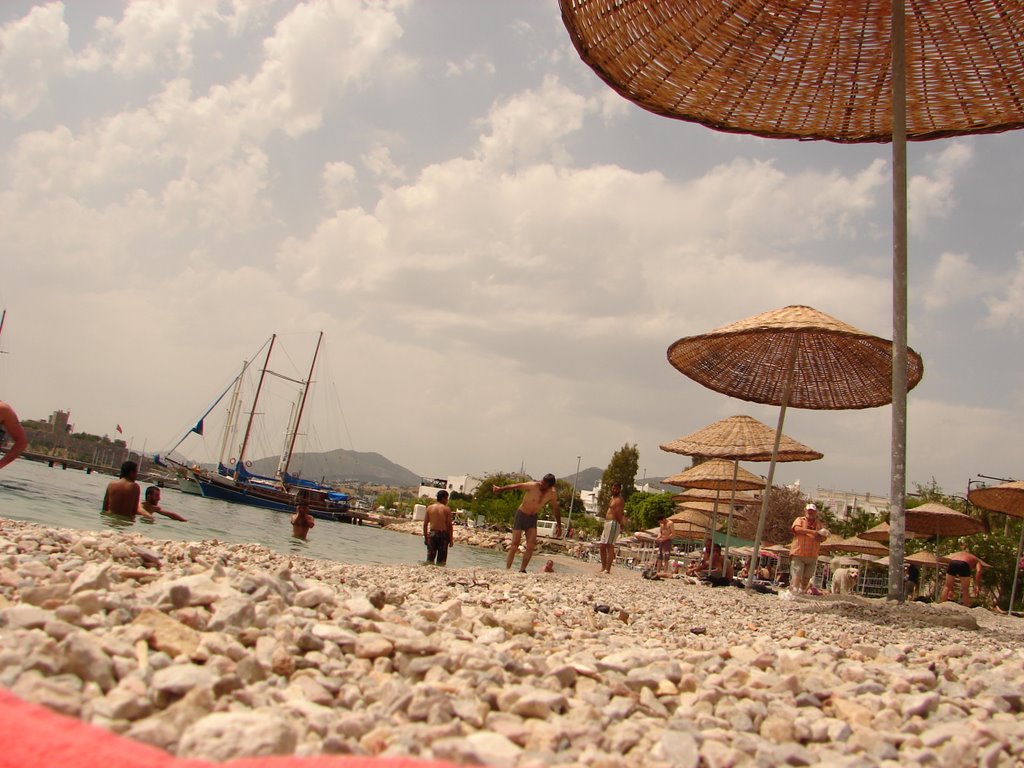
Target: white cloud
{"x": 931, "y": 195}
{"x": 955, "y": 278}
{"x": 379, "y": 163}
{"x": 1007, "y": 311}
{"x": 338, "y": 179}
{"x": 33, "y": 50}
{"x": 476, "y": 62}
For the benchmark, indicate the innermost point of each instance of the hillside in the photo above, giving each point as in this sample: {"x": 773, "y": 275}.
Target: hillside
{"x": 341, "y": 465}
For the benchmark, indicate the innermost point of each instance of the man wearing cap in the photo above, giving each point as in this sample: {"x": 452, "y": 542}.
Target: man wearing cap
{"x": 808, "y": 534}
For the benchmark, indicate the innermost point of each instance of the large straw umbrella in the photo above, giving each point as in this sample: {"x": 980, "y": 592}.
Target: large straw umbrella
{"x": 1007, "y": 498}
{"x": 792, "y": 356}
{"x": 881, "y": 533}
{"x": 740, "y": 438}
{"x": 838, "y": 70}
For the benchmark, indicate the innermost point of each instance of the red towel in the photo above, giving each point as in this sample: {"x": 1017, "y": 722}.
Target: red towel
{"x": 34, "y": 737}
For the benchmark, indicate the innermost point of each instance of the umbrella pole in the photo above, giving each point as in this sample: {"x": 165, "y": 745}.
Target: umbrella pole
{"x": 898, "y": 466}
{"x": 787, "y": 388}
{"x": 1016, "y": 570}
{"x": 728, "y": 520}
{"x": 713, "y": 531}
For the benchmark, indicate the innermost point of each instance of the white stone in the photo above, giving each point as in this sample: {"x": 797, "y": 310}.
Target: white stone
{"x": 228, "y": 735}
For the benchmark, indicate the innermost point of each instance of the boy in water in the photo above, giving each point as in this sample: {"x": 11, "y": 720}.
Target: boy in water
{"x": 122, "y": 495}
{"x": 302, "y": 521}
{"x": 438, "y": 532}
{"x": 152, "y": 505}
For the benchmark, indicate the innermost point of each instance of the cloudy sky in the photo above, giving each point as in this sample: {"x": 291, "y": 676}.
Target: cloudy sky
{"x": 498, "y": 248}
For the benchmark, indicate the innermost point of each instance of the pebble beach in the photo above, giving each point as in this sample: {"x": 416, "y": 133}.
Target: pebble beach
{"x": 218, "y": 651}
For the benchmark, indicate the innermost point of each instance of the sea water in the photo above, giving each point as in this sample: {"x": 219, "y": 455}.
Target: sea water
{"x": 70, "y": 498}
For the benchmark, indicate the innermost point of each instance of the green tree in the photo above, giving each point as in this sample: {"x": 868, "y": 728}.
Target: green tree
{"x": 645, "y": 510}
{"x": 784, "y": 506}
{"x": 622, "y": 469}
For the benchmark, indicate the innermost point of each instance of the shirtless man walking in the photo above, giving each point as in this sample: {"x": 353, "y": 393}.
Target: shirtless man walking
{"x": 122, "y": 495}
{"x": 614, "y": 522}
{"x": 438, "y": 532}
{"x": 152, "y": 505}
{"x": 961, "y": 567}
{"x": 536, "y": 496}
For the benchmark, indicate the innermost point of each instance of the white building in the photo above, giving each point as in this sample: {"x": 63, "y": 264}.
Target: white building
{"x": 844, "y": 503}
{"x": 466, "y": 484}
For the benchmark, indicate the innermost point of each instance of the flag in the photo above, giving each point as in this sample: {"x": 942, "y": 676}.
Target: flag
{"x": 198, "y": 428}
{"x": 119, "y": 430}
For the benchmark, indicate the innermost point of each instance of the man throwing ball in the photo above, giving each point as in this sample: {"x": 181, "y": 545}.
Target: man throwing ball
{"x": 536, "y": 496}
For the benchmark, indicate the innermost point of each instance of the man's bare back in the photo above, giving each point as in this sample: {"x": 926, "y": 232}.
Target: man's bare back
{"x": 439, "y": 517}
{"x": 122, "y": 498}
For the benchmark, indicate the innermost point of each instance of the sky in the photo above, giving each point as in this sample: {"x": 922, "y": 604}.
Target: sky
{"x": 498, "y": 248}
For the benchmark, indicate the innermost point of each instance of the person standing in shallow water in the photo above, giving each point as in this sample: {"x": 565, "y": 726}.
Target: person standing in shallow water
{"x": 302, "y": 521}
{"x": 122, "y": 495}
{"x": 536, "y": 496}
{"x": 151, "y": 504}
{"x": 438, "y": 532}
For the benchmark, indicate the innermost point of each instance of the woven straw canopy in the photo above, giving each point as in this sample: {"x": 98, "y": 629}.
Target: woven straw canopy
{"x": 743, "y": 438}
{"x": 699, "y": 494}
{"x": 881, "y": 533}
{"x": 837, "y": 366}
{"x": 855, "y": 544}
{"x": 937, "y": 519}
{"x": 809, "y": 69}
{"x": 715, "y": 474}
{"x": 923, "y": 558}
{"x": 1007, "y": 498}
{"x": 708, "y": 508}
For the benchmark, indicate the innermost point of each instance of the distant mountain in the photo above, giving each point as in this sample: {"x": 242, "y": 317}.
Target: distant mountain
{"x": 589, "y": 477}
{"x": 341, "y": 466}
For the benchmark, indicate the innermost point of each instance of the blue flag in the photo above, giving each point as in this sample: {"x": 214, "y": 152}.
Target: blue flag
{"x": 198, "y": 428}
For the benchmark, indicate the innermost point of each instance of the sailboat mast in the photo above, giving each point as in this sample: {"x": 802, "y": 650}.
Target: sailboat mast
{"x": 302, "y": 405}
{"x": 232, "y": 423}
{"x": 255, "y": 401}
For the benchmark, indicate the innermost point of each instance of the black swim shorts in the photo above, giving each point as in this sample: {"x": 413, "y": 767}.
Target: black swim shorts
{"x": 523, "y": 521}
{"x": 958, "y": 568}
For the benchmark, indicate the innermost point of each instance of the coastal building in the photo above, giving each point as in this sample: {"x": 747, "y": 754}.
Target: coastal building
{"x": 429, "y": 486}
{"x": 844, "y": 503}
{"x": 59, "y": 422}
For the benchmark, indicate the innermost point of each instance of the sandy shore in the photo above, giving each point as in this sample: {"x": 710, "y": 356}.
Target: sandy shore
{"x": 220, "y": 651}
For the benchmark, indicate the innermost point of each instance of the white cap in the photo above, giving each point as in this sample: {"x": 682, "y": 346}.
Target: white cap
{"x": 810, "y": 507}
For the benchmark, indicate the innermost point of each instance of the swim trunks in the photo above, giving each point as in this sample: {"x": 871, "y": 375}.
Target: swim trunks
{"x": 524, "y": 522}
{"x": 437, "y": 547}
{"x": 958, "y": 568}
{"x": 610, "y": 532}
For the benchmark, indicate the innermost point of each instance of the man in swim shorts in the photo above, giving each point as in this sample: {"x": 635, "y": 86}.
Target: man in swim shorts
{"x": 614, "y": 522}
{"x": 536, "y": 496}
{"x": 438, "y": 532}
{"x": 960, "y": 567}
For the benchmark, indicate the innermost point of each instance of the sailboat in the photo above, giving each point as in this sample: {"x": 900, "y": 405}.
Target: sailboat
{"x": 234, "y": 482}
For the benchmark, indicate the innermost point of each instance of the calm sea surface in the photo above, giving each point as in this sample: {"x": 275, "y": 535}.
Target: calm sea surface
{"x": 71, "y": 499}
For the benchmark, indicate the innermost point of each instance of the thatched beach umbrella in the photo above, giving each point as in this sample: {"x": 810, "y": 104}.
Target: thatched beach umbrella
{"x": 792, "y": 356}
{"x": 740, "y": 438}
{"x": 839, "y": 70}
{"x": 938, "y": 520}
{"x": 1007, "y": 498}
{"x": 741, "y": 499}
{"x": 863, "y": 546}
{"x": 880, "y": 532}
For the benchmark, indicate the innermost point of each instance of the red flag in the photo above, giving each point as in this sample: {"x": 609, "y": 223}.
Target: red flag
{"x": 119, "y": 430}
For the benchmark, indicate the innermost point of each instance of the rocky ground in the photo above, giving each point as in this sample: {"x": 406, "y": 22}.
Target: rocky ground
{"x": 219, "y": 651}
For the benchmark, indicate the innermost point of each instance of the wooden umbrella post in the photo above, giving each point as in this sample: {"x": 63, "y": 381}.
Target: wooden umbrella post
{"x": 898, "y": 466}
{"x": 790, "y": 375}
{"x": 728, "y": 520}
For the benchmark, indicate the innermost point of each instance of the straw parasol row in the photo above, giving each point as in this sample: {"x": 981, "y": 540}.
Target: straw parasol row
{"x": 741, "y": 438}
{"x": 792, "y": 356}
{"x": 807, "y": 70}
{"x": 715, "y": 475}
{"x": 742, "y": 499}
